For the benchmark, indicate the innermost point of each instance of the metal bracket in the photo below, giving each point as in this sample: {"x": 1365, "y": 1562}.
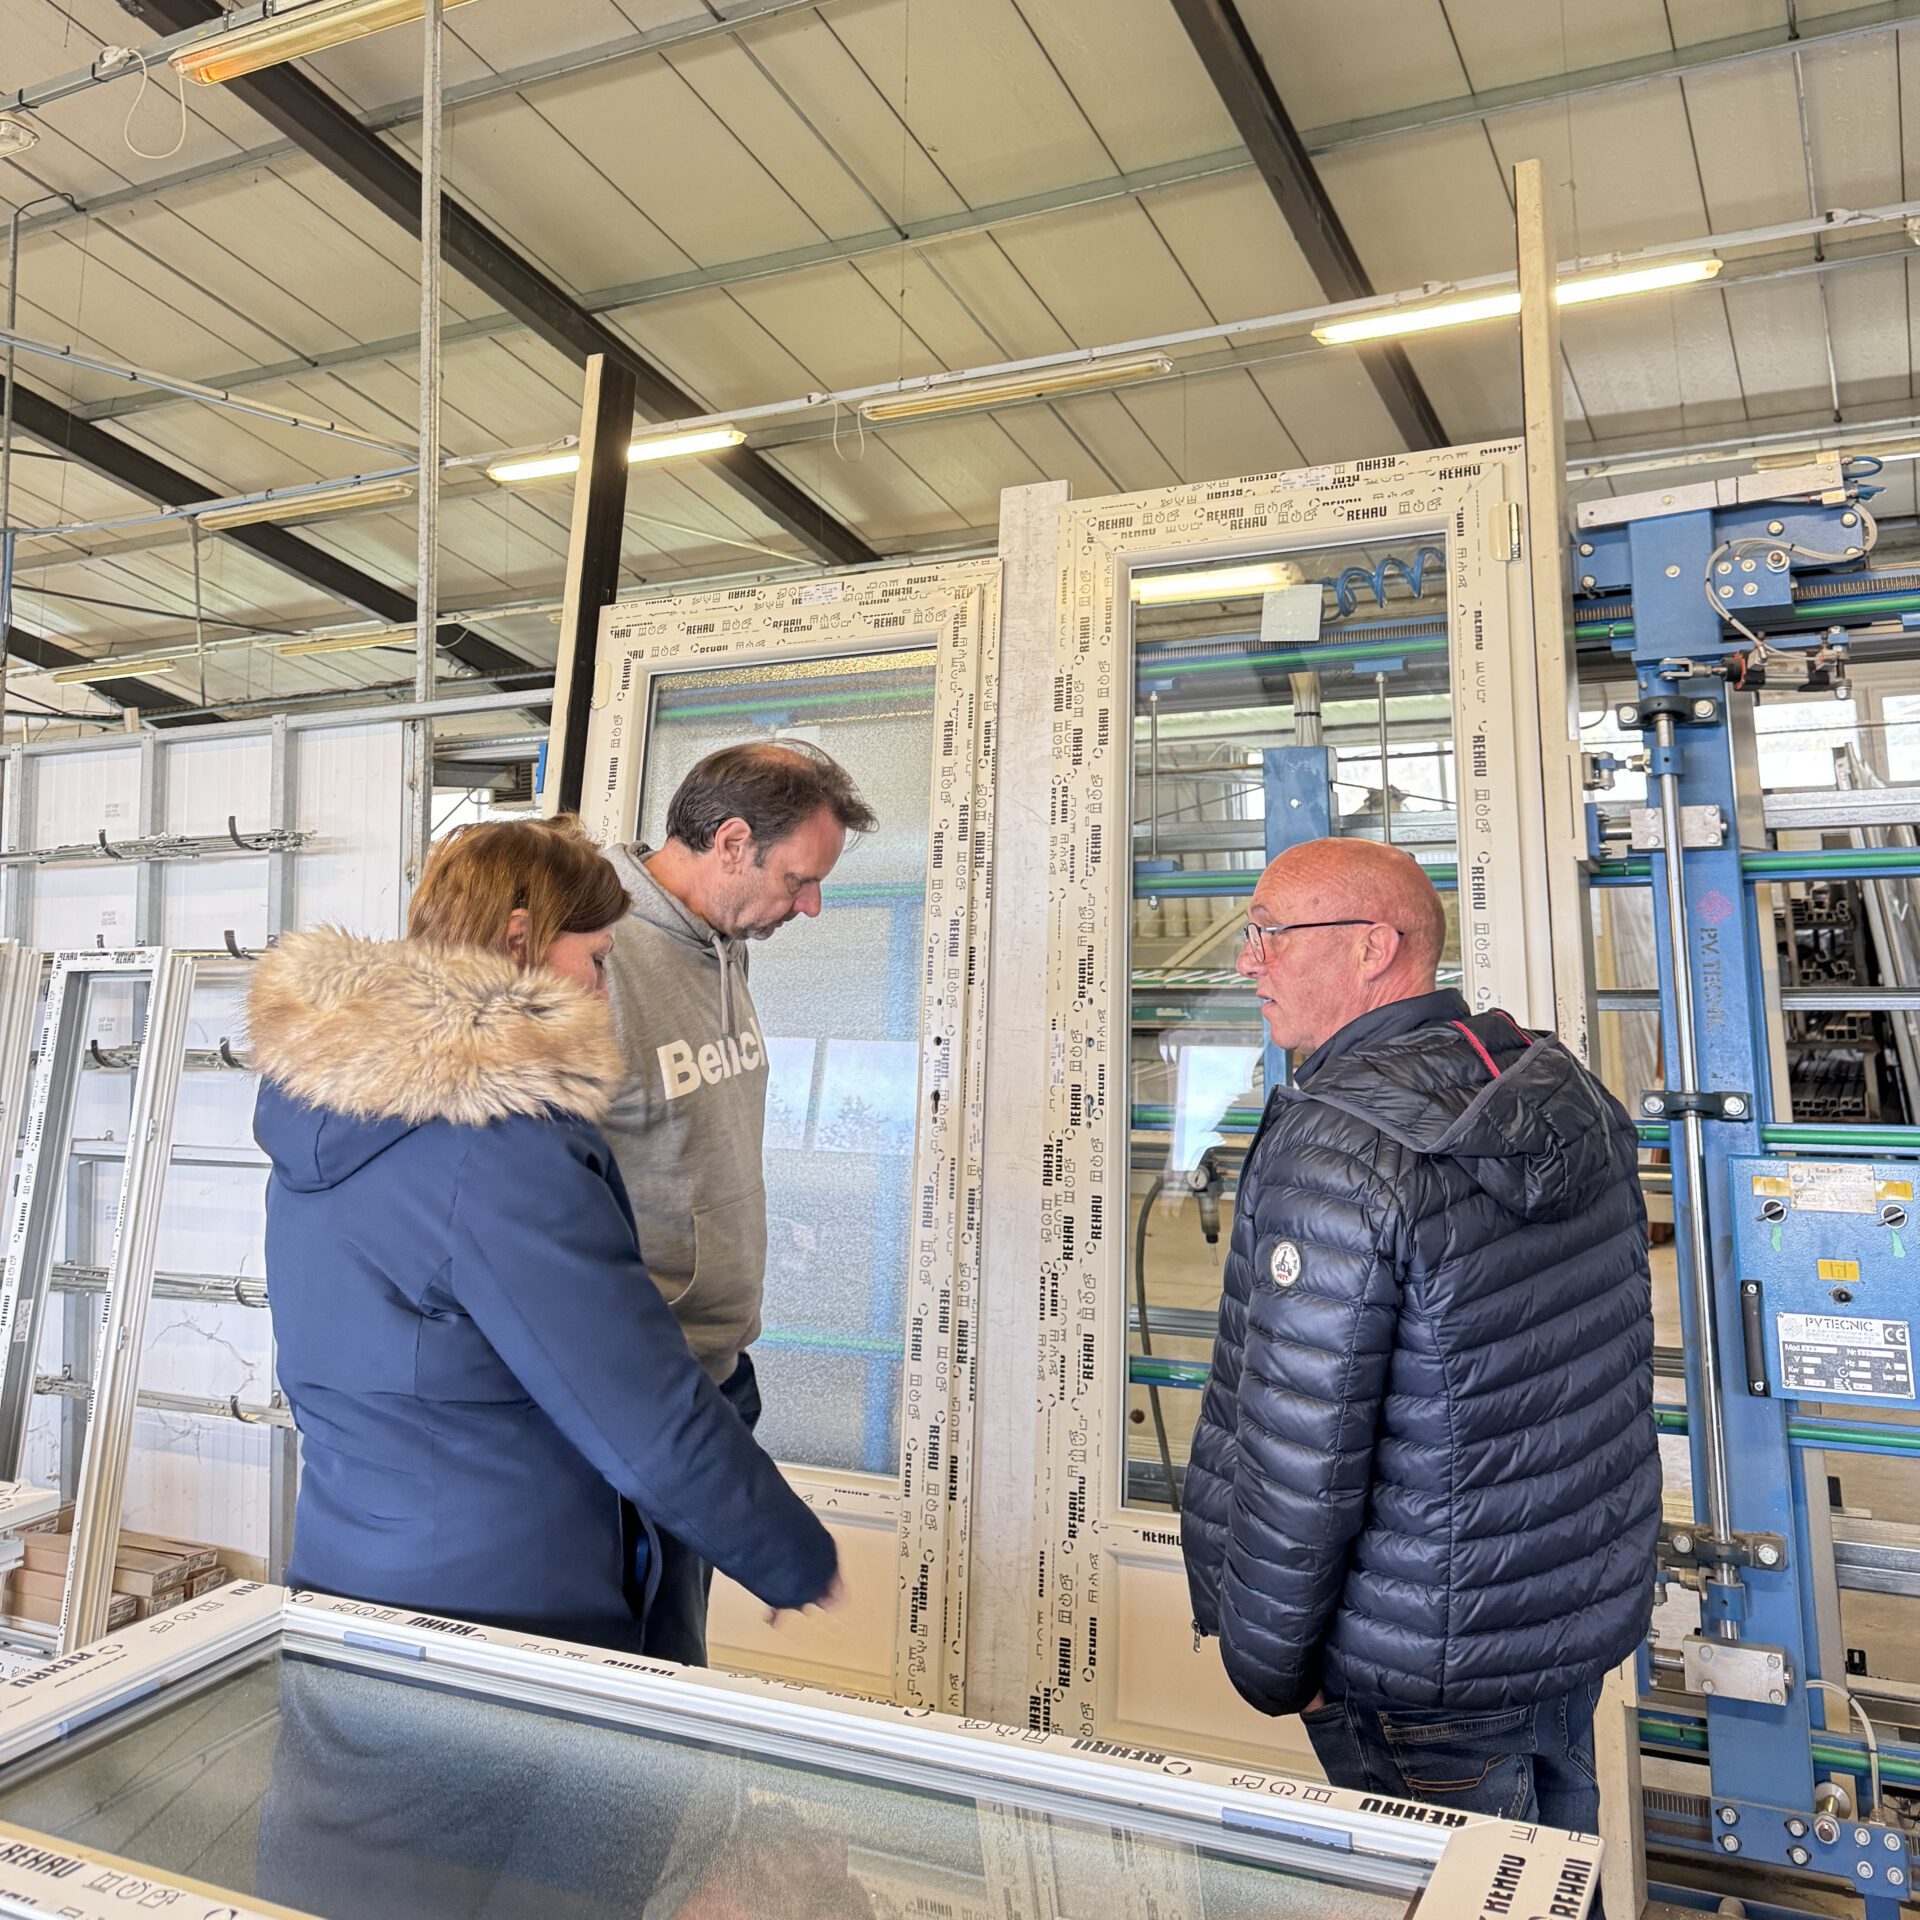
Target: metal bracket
{"x": 1661, "y": 1103}
{"x": 1683, "y": 709}
{"x": 1737, "y": 1670}
{"x": 1699, "y": 827}
{"x": 1685, "y": 1545}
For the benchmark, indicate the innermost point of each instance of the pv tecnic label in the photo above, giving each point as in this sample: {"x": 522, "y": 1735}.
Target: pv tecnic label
{"x": 1825, "y": 1353}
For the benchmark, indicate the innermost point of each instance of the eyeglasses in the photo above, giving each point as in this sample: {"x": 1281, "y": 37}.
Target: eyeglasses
{"x": 1257, "y": 936}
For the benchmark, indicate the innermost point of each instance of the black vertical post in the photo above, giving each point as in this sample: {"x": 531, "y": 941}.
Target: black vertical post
{"x": 593, "y": 574}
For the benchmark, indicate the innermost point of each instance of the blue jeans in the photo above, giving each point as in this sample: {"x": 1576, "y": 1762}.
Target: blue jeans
{"x": 1518, "y": 1763}
{"x": 676, "y": 1627}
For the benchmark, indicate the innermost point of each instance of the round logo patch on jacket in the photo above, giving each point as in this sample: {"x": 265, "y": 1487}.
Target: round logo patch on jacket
{"x": 1283, "y": 1264}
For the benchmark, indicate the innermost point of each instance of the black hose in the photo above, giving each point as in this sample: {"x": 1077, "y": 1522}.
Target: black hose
{"x": 1146, "y": 1338}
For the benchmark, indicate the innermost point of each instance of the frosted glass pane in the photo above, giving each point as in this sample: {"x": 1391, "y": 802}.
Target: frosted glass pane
{"x": 839, "y": 1001}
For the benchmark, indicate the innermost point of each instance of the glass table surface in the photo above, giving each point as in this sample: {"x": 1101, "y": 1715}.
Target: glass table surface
{"x": 359, "y": 1797}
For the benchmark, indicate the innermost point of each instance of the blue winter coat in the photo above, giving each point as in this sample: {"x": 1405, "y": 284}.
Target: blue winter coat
{"x": 1425, "y": 1472}
{"x": 495, "y": 1404}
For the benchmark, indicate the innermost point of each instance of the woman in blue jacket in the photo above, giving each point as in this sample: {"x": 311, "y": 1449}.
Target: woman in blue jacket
{"x": 496, "y": 1406}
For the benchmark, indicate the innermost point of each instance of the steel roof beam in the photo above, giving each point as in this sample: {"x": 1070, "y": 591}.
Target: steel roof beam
{"x": 38, "y": 651}
{"x": 139, "y": 472}
{"x": 1247, "y": 91}
{"x": 387, "y": 180}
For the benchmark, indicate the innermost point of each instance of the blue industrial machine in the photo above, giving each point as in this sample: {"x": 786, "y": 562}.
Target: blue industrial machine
{"x": 1791, "y": 1240}
{"x": 1797, "y": 1255}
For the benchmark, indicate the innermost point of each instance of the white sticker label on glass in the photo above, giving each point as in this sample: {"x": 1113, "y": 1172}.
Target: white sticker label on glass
{"x": 1832, "y": 1188}
{"x": 1823, "y": 1353}
{"x": 820, "y": 594}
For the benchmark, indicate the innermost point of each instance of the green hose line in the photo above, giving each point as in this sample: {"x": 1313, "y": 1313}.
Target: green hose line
{"x": 1142, "y": 1372}
{"x": 1840, "y": 1436}
{"x": 1803, "y": 1134}
{"x": 1841, "y": 860}
{"x": 1667, "y": 1733}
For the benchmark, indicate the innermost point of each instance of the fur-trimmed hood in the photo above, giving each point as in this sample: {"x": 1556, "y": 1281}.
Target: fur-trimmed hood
{"x": 397, "y": 1033}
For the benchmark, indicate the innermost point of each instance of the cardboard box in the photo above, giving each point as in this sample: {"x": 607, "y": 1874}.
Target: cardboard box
{"x": 135, "y": 1571}
{"x": 199, "y": 1559}
{"x": 35, "y": 1598}
{"x": 208, "y": 1582}
{"x": 160, "y": 1603}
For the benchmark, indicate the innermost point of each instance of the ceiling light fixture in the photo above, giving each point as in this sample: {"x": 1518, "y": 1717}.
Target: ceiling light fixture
{"x": 1393, "y": 322}
{"x": 1213, "y": 583}
{"x": 662, "y": 446}
{"x": 125, "y": 669}
{"x": 1082, "y": 377}
{"x": 349, "y": 642}
{"x": 17, "y": 136}
{"x": 306, "y": 506}
{"x": 291, "y": 33}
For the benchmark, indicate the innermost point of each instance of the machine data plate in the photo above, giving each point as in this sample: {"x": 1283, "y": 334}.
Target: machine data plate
{"x": 1827, "y": 1243}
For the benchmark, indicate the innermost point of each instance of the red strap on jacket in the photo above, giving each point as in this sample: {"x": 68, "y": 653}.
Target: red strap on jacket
{"x": 1467, "y": 1034}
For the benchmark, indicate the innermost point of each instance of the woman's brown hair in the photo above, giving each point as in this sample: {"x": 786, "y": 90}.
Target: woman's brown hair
{"x": 479, "y": 874}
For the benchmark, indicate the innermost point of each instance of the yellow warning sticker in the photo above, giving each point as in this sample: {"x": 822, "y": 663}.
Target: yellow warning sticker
{"x": 1895, "y": 1189}
{"x": 1775, "y": 1184}
{"x": 1840, "y": 1270}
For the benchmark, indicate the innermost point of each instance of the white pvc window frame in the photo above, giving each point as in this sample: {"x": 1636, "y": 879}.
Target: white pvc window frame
{"x": 955, "y": 607}
{"x": 1462, "y": 1862}
{"x": 1470, "y": 498}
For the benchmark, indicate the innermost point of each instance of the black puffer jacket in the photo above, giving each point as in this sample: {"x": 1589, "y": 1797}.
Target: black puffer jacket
{"x": 1425, "y": 1472}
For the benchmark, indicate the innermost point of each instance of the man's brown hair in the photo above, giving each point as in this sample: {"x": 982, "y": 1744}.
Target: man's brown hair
{"x": 479, "y": 874}
{"x": 775, "y": 786}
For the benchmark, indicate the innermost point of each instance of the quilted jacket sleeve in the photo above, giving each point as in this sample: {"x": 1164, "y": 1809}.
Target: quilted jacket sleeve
{"x": 1316, "y": 1289}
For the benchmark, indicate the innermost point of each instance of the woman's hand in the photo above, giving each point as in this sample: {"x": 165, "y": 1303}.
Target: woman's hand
{"x": 835, "y": 1596}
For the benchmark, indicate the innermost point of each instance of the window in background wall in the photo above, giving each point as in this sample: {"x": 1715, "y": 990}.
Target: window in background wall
{"x": 838, "y": 999}
{"x": 1795, "y": 740}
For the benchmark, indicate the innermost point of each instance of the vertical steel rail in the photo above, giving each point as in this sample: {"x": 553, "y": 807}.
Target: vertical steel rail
{"x": 123, "y": 1310}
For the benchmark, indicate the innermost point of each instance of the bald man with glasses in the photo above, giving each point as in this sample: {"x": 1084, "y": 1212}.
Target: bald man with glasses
{"x": 1424, "y": 1490}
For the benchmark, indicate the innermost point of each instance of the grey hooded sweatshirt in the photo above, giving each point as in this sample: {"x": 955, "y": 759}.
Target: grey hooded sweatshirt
{"x": 687, "y": 1127}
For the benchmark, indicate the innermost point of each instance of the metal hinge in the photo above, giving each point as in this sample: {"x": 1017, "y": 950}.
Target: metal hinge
{"x": 1699, "y": 827}
{"x": 1506, "y": 530}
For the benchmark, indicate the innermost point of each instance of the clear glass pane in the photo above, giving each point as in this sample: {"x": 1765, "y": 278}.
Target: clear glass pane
{"x": 1216, "y": 685}
{"x": 839, "y": 1001}
{"x": 355, "y": 1797}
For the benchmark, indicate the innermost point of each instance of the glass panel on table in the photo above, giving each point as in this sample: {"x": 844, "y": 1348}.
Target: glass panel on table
{"x": 356, "y": 1797}
{"x": 839, "y": 1002}
{"x": 1317, "y": 650}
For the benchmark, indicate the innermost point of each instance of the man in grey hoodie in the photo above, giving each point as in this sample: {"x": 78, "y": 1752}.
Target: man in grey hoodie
{"x": 750, "y": 835}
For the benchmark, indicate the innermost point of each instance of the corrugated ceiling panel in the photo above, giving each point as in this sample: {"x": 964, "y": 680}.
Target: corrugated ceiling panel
{"x": 738, "y": 90}
{"x": 1214, "y": 426}
{"x": 837, "y": 325}
{"x": 1330, "y": 408}
{"x": 873, "y": 490}
{"x": 978, "y": 93}
{"x": 1105, "y": 274}
{"x": 1753, "y": 172}
{"x": 1870, "y": 322}
{"x": 1231, "y": 241}
{"x": 1620, "y": 166}
{"x": 1505, "y": 43}
{"x": 516, "y": 36}
{"x": 513, "y": 168}
{"x": 1432, "y": 206}
{"x": 1362, "y": 57}
{"x": 1777, "y": 330}
{"x": 808, "y": 59}
{"x": 1135, "y": 76}
{"x": 978, "y": 269}
{"x": 1118, "y": 441}
{"x": 714, "y": 348}
{"x": 1655, "y": 365}
{"x": 1697, "y": 20}
{"x": 1853, "y": 112}
{"x": 966, "y": 461}
{"x": 1472, "y": 376}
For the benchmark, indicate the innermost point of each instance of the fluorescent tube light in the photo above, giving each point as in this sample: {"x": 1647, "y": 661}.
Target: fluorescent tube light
{"x": 1393, "y": 322}
{"x": 1213, "y": 583}
{"x": 306, "y": 506}
{"x": 123, "y": 669}
{"x": 349, "y": 642}
{"x": 1083, "y": 377}
{"x": 291, "y": 33}
{"x": 662, "y": 446}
